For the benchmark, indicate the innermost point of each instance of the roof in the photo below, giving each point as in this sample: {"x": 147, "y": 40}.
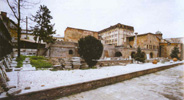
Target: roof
{"x": 58, "y": 36}
{"x": 26, "y": 40}
{"x": 141, "y": 34}
{"x": 6, "y": 31}
{"x": 79, "y": 29}
{"x": 158, "y": 32}
{"x": 23, "y": 31}
{"x": 119, "y": 25}
{"x": 145, "y": 34}
{"x": 175, "y": 40}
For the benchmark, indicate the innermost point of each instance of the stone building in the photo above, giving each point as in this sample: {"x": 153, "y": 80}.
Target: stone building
{"x": 116, "y": 34}
{"x": 118, "y": 41}
{"x": 5, "y": 40}
{"x": 153, "y": 46}
{"x": 167, "y": 45}
{"x": 62, "y": 49}
{"x": 11, "y": 26}
{"x": 74, "y": 34}
{"x": 58, "y": 37}
{"x": 149, "y": 43}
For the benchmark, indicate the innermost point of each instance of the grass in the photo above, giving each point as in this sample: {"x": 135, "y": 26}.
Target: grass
{"x": 20, "y": 61}
{"x": 40, "y": 62}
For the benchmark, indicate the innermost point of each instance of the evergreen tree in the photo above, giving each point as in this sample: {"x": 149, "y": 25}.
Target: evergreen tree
{"x": 174, "y": 53}
{"x": 43, "y": 30}
{"x": 139, "y": 56}
{"x": 90, "y": 49}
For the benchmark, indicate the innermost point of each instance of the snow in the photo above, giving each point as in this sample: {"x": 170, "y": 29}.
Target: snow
{"x": 51, "y": 79}
{"x": 163, "y": 85}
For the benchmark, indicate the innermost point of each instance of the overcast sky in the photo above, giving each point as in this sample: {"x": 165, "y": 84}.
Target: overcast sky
{"x": 145, "y": 16}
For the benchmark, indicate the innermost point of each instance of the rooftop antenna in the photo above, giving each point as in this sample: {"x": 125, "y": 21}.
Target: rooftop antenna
{"x": 26, "y": 27}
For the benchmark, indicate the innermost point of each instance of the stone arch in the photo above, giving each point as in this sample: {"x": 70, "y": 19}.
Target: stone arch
{"x": 118, "y": 54}
{"x": 151, "y": 54}
{"x": 133, "y": 54}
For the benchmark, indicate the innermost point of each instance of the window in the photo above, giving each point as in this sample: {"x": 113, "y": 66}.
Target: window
{"x": 151, "y": 55}
{"x": 150, "y": 46}
{"x": 70, "y": 51}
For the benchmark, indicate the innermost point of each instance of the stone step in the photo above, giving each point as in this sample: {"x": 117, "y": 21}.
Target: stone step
{"x": 13, "y": 91}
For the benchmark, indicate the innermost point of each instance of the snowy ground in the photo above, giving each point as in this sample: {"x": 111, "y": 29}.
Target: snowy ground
{"x": 164, "y": 85}
{"x": 44, "y": 79}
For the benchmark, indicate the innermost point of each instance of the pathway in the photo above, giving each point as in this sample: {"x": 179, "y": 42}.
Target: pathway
{"x": 164, "y": 85}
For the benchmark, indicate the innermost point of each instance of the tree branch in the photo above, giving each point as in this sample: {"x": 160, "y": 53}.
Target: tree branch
{"x": 12, "y": 9}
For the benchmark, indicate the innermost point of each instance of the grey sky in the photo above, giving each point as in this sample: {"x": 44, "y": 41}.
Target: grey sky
{"x": 145, "y": 16}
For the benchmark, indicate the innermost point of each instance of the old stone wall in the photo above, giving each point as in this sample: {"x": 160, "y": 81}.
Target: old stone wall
{"x": 109, "y": 51}
{"x": 62, "y": 91}
{"x": 148, "y": 41}
{"x": 62, "y": 49}
{"x": 126, "y": 52}
{"x": 166, "y": 49}
{"x": 74, "y": 34}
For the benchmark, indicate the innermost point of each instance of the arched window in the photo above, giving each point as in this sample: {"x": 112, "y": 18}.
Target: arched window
{"x": 70, "y": 52}
{"x": 118, "y": 54}
{"x": 133, "y": 55}
{"x": 151, "y": 55}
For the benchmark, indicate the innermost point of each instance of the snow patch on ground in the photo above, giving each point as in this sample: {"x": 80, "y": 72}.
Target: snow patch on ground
{"x": 51, "y": 79}
{"x": 164, "y": 85}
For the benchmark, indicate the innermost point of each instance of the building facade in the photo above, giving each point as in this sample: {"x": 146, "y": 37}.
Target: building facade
{"x": 167, "y": 45}
{"x": 116, "y": 34}
{"x": 11, "y": 26}
{"x": 121, "y": 39}
{"x": 149, "y": 44}
{"x": 62, "y": 49}
{"x": 74, "y": 34}
{"x": 5, "y": 40}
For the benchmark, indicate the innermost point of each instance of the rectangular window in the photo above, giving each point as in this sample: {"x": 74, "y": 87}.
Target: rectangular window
{"x": 150, "y": 47}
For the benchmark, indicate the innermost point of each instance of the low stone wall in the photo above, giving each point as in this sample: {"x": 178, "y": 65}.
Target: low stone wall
{"x": 58, "y": 92}
{"x": 113, "y": 62}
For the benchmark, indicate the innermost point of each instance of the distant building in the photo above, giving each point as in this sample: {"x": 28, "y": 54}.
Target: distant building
{"x": 74, "y": 34}
{"x": 152, "y": 45}
{"x": 62, "y": 49}
{"x": 5, "y": 40}
{"x": 168, "y": 44}
{"x": 116, "y": 34}
{"x": 58, "y": 37}
{"x": 121, "y": 39}
{"x": 11, "y": 26}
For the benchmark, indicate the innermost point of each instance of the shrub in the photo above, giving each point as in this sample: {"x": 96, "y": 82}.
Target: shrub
{"x": 139, "y": 56}
{"x": 40, "y": 62}
{"x": 37, "y": 57}
{"x": 20, "y": 61}
{"x": 90, "y": 49}
{"x": 174, "y": 53}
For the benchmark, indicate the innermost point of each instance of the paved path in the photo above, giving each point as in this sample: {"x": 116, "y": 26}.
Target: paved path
{"x": 164, "y": 85}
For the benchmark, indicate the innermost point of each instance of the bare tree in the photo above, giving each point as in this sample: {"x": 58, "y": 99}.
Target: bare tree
{"x": 16, "y": 6}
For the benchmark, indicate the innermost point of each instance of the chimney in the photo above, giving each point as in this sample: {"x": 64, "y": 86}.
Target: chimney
{"x": 4, "y": 14}
{"x": 135, "y": 40}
